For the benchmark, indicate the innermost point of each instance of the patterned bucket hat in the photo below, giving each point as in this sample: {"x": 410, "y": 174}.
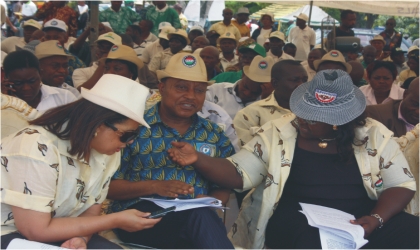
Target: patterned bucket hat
{"x": 330, "y": 98}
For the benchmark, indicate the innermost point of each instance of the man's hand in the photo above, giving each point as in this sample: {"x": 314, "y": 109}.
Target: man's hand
{"x": 133, "y": 220}
{"x": 172, "y": 188}
{"x": 182, "y": 153}
{"x": 369, "y": 223}
{"x": 75, "y": 243}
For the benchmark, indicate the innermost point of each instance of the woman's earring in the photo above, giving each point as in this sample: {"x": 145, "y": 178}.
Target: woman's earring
{"x": 335, "y": 127}
{"x": 96, "y": 134}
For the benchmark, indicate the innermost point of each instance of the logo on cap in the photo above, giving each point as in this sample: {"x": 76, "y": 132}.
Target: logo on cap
{"x": 263, "y": 65}
{"x": 379, "y": 183}
{"x": 54, "y": 23}
{"x": 334, "y": 53}
{"x": 59, "y": 45}
{"x": 189, "y": 61}
{"x": 325, "y": 97}
{"x": 110, "y": 36}
{"x": 228, "y": 34}
{"x": 114, "y": 48}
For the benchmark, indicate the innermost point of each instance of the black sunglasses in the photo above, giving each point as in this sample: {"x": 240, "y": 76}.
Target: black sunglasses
{"x": 125, "y": 137}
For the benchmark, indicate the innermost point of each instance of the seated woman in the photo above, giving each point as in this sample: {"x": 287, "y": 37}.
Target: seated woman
{"x": 56, "y": 172}
{"x": 325, "y": 153}
{"x": 381, "y": 88}
{"x": 21, "y": 70}
{"x": 413, "y": 70}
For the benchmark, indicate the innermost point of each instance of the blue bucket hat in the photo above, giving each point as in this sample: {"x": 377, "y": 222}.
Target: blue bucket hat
{"x": 330, "y": 98}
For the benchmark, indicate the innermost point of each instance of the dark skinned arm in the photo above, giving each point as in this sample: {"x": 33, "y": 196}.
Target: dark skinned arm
{"x": 94, "y": 78}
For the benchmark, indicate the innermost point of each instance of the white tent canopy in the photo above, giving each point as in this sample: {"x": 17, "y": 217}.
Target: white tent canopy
{"x": 316, "y": 16}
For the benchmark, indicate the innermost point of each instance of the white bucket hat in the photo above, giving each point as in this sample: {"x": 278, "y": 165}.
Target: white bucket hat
{"x": 165, "y": 31}
{"x": 260, "y": 69}
{"x": 119, "y": 94}
{"x": 303, "y": 17}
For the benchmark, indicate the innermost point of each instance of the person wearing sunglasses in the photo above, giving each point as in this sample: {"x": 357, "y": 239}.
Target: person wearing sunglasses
{"x": 147, "y": 172}
{"x": 56, "y": 172}
{"x": 23, "y": 80}
{"x": 326, "y": 152}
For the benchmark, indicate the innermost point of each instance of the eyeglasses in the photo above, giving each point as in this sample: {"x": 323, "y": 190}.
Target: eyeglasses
{"x": 125, "y": 137}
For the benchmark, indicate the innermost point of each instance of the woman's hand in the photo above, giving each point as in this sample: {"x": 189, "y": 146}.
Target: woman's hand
{"x": 182, "y": 153}
{"x": 75, "y": 243}
{"x": 369, "y": 223}
{"x": 7, "y": 88}
{"x": 133, "y": 220}
{"x": 172, "y": 188}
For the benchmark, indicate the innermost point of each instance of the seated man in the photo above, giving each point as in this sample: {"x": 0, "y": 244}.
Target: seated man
{"x": 157, "y": 46}
{"x": 234, "y": 97}
{"x": 290, "y": 49}
{"x": 53, "y": 65}
{"x": 194, "y": 32}
{"x": 379, "y": 43}
{"x": 397, "y": 56}
{"x": 210, "y": 56}
{"x": 308, "y": 65}
{"x": 332, "y": 60}
{"x": 57, "y": 30}
{"x": 29, "y": 27}
{"x": 276, "y": 47}
{"x": 399, "y": 116}
{"x": 146, "y": 170}
{"x": 199, "y": 42}
{"x": 368, "y": 55}
{"x": 286, "y": 76}
{"x": 227, "y": 43}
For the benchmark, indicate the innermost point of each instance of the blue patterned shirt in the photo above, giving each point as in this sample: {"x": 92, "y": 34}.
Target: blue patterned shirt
{"x": 147, "y": 157}
{"x": 74, "y": 63}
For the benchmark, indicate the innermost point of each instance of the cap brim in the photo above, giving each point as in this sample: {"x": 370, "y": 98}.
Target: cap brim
{"x": 161, "y": 74}
{"x": 41, "y": 56}
{"x": 260, "y": 79}
{"x": 138, "y": 62}
{"x": 329, "y": 115}
{"x": 318, "y": 62}
{"x": 112, "y": 105}
{"x": 32, "y": 25}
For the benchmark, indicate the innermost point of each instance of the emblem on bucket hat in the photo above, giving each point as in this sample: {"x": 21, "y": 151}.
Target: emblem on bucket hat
{"x": 59, "y": 45}
{"x": 325, "y": 97}
{"x": 54, "y": 23}
{"x": 114, "y": 48}
{"x": 189, "y": 61}
{"x": 263, "y": 65}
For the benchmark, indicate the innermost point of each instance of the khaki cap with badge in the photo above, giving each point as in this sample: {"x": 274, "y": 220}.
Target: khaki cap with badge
{"x": 165, "y": 31}
{"x": 377, "y": 38}
{"x": 179, "y": 32}
{"x": 227, "y": 35}
{"x": 110, "y": 37}
{"x": 50, "y": 48}
{"x": 260, "y": 69}
{"x": 333, "y": 56}
{"x": 125, "y": 53}
{"x": 33, "y": 23}
{"x": 56, "y": 24}
{"x": 185, "y": 66}
{"x": 277, "y": 34}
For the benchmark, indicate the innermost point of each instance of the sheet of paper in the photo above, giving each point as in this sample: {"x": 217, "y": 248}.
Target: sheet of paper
{"x": 27, "y": 244}
{"x": 185, "y": 204}
{"x": 329, "y": 240}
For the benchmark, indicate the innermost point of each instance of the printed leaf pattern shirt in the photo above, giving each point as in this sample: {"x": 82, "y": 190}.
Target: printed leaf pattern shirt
{"x": 264, "y": 164}
{"x": 147, "y": 158}
{"x": 164, "y": 15}
{"x": 74, "y": 63}
{"x": 120, "y": 20}
{"x": 66, "y": 14}
{"x": 248, "y": 120}
{"x": 38, "y": 173}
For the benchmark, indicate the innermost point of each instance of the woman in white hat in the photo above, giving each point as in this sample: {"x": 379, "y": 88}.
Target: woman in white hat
{"x": 56, "y": 172}
{"x": 324, "y": 153}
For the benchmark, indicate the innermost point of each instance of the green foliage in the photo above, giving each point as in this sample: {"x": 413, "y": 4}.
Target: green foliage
{"x": 252, "y": 6}
{"x": 405, "y": 25}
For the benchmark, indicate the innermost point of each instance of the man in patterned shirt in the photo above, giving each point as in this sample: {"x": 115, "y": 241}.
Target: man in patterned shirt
{"x": 146, "y": 170}
{"x": 119, "y": 17}
{"x": 59, "y": 10}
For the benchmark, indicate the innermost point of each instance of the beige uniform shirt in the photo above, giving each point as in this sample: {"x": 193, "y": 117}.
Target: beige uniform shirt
{"x": 39, "y": 174}
{"x": 225, "y": 63}
{"x": 160, "y": 60}
{"x": 264, "y": 164}
{"x": 150, "y": 51}
{"x": 311, "y": 73}
{"x": 248, "y": 120}
{"x": 282, "y": 57}
{"x": 9, "y": 44}
{"x": 221, "y": 28}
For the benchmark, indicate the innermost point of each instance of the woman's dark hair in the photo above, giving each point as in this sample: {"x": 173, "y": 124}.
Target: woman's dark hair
{"x": 375, "y": 65}
{"x": 346, "y": 138}
{"x": 77, "y": 122}
{"x": 131, "y": 67}
{"x": 407, "y": 83}
{"x": 19, "y": 59}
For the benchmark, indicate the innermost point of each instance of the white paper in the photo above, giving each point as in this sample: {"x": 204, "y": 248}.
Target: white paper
{"x": 335, "y": 222}
{"x": 329, "y": 240}
{"x": 27, "y": 244}
{"x": 185, "y": 204}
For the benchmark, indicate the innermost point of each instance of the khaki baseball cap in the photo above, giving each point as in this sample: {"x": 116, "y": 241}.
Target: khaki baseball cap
{"x": 185, "y": 66}
{"x": 56, "y": 24}
{"x": 377, "y": 38}
{"x": 333, "y": 56}
{"x": 179, "y": 32}
{"x": 110, "y": 37}
{"x": 33, "y": 23}
{"x": 50, "y": 48}
{"x": 302, "y": 16}
{"x": 260, "y": 69}
{"x": 125, "y": 53}
{"x": 165, "y": 31}
{"x": 227, "y": 35}
{"x": 278, "y": 35}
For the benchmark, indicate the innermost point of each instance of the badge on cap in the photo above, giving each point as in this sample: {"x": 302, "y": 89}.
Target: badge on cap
{"x": 325, "y": 97}
{"x": 54, "y": 23}
{"x": 59, "y": 45}
{"x": 252, "y": 46}
{"x": 114, "y": 48}
{"x": 228, "y": 34}
{"x": 379, "y": 184}
{"x": 263, "y": 65}
{"x": 110, "y": 36}
{"x": 189, "y": 61}
{"x": 334, "y": 53}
